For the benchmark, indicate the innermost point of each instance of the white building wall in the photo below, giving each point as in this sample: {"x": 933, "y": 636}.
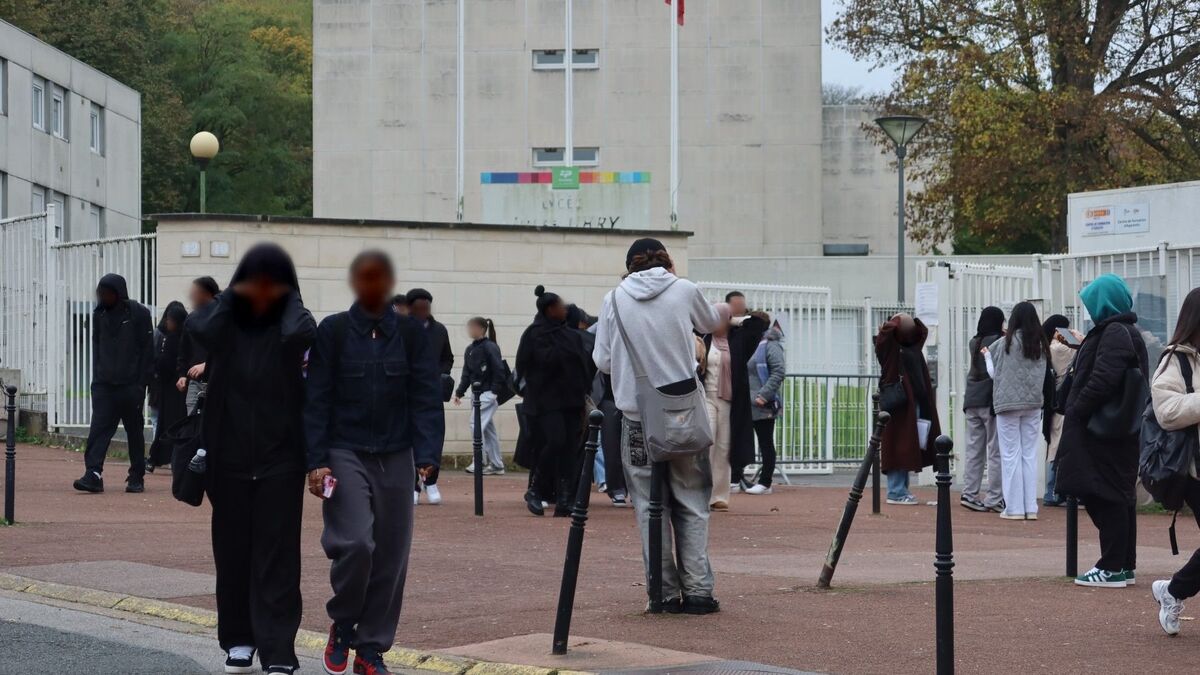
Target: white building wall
{"x": 1136, "y": 217}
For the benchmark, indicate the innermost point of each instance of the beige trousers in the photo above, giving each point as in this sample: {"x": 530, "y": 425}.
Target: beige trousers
{"x": 718, "y": 454}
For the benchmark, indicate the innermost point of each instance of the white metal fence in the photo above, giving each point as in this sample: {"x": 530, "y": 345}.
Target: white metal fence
{"x": 23, "y": 298}
{"x": 803, "y": 312}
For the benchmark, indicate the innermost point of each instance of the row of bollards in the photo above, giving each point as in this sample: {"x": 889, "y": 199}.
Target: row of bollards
{"x": 10, "y": 454}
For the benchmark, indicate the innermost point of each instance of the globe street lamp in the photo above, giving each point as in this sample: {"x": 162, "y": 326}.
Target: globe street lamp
{"x": 901, "y": 129}
{"x": 204, "y": 147}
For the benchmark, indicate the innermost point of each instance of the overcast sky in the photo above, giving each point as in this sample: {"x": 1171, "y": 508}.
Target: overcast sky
{"x": 839, "y": 67}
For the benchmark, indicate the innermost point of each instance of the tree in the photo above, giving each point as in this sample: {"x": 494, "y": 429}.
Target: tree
{"x": 1030, "y": 100}
{"x": 833, "y": 93}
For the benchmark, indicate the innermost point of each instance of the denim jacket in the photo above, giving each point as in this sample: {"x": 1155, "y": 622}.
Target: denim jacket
{"x": 373, "y": 387}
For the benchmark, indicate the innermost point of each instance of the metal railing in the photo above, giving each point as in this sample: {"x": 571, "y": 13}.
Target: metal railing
{"x": 825, "y": 421}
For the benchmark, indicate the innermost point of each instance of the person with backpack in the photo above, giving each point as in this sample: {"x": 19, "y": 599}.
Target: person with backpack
{"x": 372, "y": 420}
{"x": 1097, "y": 458}
{"x": 483, "y": 363}
{"x": 1017, "y": 365}
{"x": 644, "y": 340}
{"x": 1176, "y": 407}
{"x": 982, "y": 449}
{"x": 255, "y": 334}
{"x": 767, "y": 369}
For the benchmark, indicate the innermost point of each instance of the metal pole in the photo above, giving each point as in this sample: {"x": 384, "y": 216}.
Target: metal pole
{"x": 10, "y": 454}
{"x": 460, "y": 111}
{"x": 654, "y": 586}
{"x": 579, "y": 515}
{"x": 876, "y": 472}
{"x": 1072, "y": 537}
{"x": 202, "y": 190}
{"x": 673, "y": 188}
{"x": 856, "y": 491}
{"x": 569, "y": 103}
{"x": 477, "y": 445}
{"x": 901, "y": 151}
{"x": 944, "y": 561}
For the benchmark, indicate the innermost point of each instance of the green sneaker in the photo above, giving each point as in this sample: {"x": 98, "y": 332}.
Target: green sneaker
{"x": 1101, "y": 579}
{"x": 1129, "y": 581}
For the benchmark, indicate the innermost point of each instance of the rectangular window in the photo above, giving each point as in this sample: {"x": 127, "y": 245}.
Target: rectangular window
{"x": 96, "y": 215}
{"x": 37, "y": 200}
{"x": 555, "y": 59}
{"x": 58, "y": 112}
{"x": 60, "y": 213}
{"x": 3, "y": 87}
{"x": 96, "y": 142}
{"x": 543, "y": 157}
{"x": 3, "y": 195}
{"x": 39, "y": 103}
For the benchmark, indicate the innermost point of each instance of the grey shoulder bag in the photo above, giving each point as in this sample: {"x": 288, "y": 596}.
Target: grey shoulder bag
{"x": 673, "y": 425}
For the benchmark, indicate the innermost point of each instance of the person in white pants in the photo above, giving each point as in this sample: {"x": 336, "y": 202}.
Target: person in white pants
{"x": 718, "y": 393}
{"x": 482, "y": 363}
{"x": 1017, "y": 363}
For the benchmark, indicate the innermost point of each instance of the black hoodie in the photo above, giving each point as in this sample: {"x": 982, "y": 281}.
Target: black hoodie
{"x": 557, "y": 370}
{"x": 122, "y": 338}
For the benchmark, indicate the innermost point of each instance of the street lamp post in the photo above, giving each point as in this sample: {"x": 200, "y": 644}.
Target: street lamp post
{"x": 901, "y": 129}
{"x": 204, "y": 147}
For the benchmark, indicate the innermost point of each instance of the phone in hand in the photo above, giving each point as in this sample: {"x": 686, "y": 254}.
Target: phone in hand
{"x": 1069, "y": 337}
{"x": 328, "y": 484}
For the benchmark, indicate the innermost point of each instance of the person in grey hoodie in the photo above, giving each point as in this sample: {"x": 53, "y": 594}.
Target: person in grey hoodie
{"x": 660, "y": 312}
{"x": 767, "y": 369}
{"x": 1017, "y": 364}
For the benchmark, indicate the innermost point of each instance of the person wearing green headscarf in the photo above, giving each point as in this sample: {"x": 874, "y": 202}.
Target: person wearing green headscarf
{"x": 1102, "y": 471}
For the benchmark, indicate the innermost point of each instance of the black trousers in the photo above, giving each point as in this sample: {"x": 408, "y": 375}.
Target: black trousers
{"x": 610, "y": 444}
{"x": 1186, "y": 582}
{"x": 1117, "y": 523}
{"x": 765, "y": 431}
{"x": 114, "y": 404}
{"x": 256, "y": 546}
{"x": 559, "y": 443}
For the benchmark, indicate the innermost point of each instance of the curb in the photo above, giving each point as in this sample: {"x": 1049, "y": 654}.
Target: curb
{"x": 400, "y": 657}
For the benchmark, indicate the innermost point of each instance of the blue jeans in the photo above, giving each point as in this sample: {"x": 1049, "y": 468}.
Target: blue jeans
{"x": 1051, "y": 473}
{"x": 598, "y": 473}
{"x": 897, "y": 484}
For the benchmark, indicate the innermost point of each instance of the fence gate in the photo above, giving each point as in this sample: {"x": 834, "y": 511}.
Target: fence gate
{"x": 23, "y": 301}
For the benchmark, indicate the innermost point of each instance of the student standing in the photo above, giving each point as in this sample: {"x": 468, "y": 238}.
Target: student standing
{"x": 1103, "y": 471}
{"x": 982, "y": 448}
{"x": 373, "y": 411}
{"x": 718, "y": 396}
{"x": 191, "y": 367}
{"x": 165, "y": 396}
{"x": 483, "y": 363}
{"x": 907, "y": 444}
{"x": 255, "y": 334}
{"x": 122, "y": 365}
{"x": 1017, "y": 364}
{"x": 420, "y": 307}
{"x": 767, "y": 370}
{"x": 1062, "y": 354}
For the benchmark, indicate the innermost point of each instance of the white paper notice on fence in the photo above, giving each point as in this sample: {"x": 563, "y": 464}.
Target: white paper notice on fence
{"x": 927, "y": 303}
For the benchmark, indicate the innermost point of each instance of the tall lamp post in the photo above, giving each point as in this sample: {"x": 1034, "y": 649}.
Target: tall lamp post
{"x": 204, "y": 147}
{"x": 901, "y": 129}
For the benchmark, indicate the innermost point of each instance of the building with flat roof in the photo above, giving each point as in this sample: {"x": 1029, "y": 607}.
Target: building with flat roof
{"x": 69, "y": 136}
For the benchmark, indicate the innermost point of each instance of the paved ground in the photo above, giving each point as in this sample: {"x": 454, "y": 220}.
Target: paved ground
{"x": 475, "y": 580}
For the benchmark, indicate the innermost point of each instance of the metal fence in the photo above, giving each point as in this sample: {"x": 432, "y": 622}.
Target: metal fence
{"x": 23, "y": 298}
{"x": 804, "y": 312}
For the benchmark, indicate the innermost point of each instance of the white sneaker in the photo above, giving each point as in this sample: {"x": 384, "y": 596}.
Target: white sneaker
{"x": 1169, "y": 607}
{"x": 470, "y": 468}
{"x": 433, "y": 494}
{"x": 759, "y": 489}
{"x": 416, "y": 497}
{"x": 492, "y": 470}
{"x": 735, "y": 488}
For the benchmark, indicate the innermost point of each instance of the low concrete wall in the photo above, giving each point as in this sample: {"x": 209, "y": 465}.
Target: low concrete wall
{"x": 471, "y": 270}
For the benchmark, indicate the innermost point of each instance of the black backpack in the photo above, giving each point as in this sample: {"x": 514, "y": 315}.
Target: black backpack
{"x": 1167, "y": 456}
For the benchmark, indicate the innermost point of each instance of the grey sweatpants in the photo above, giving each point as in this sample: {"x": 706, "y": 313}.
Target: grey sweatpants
{"x": 368, "y": 533}
{"x": 982, "y": 445}
{"x": 685, "y": 514}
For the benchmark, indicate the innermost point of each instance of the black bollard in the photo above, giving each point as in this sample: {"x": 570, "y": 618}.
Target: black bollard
{"x": 654, "y": 587}
{"x": 579, "y": 515}
{"x": 876, "y": 479}
{"x": 856, "y": 492}
{"x": 1072, "y": 537}
{"x": 943, "y": 561}
{"x": 10, "y": 454}
{"x": 477, "y": 445}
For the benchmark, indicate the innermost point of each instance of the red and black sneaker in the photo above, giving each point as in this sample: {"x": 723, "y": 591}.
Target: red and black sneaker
{"x": 337, "y": 650}
{"x": 370, "y": 663}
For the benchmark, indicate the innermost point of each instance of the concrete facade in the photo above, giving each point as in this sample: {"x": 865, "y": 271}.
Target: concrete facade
{"x": 471, "y": 270}
{"x": 95, "y": 179}
{"x": 384, "y": 131}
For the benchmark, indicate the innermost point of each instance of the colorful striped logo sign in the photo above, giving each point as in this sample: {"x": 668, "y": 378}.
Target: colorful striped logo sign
{"x": 521, "y": 178}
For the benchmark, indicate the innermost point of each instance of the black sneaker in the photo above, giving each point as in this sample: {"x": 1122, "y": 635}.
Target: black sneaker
{"x": 972, "y": 503}
{"x": 699, "y": 604}
{"x": 619, "y": 498}
{"x": 337, "y": 650}
{"x": 669, "y": 606}
{"x": 135, "y": 486}
{"x": 281, "y": 670}
{"x": 90, "y": 482}
{"x": 998, "y": 507}
{"x": 534, "y": 504}
{"x": 240, "y": 660}
{"x": 369, "y": 663}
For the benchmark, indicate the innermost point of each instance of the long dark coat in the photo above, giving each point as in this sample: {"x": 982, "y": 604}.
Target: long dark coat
{"x": 743, "y": 340}
{"x": 900, "y": 448}
{"x": 1091, "y": 467}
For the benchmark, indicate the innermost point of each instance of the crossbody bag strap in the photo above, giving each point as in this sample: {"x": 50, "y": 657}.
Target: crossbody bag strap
{"x": 637, "y": 363}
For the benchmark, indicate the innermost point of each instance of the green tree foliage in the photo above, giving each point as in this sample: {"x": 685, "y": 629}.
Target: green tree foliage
{"x": 238, "y": 68}
{"x": 1030, "y": 100}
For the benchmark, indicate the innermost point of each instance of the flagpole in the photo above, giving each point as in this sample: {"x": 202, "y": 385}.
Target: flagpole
{"x": 673, "y": 17}
{"x": 569, "y": 104}
{"x": 460, "y": 112}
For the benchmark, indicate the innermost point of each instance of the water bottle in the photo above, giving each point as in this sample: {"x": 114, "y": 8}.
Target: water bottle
{"x": 198, "y": 463}
{"x": 191, "y": 489}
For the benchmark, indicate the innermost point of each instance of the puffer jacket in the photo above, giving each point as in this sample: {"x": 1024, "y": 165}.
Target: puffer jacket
{"x": 1174, "y": 408}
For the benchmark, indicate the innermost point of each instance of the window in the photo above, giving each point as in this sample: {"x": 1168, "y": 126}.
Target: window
{"x": 96, "y": 217}
{"x": 58, "y": 112}
{"x": 96, "y": 137}
{"x": 39, "y": 103}
{"x": 37, "y": 201}
{"x": 3, "y": 87}
{"x": 554, "y": 59}
{"x": 3, "y": 195}
{"x": 40, "y": 197}
{"x": 554, "y": 157}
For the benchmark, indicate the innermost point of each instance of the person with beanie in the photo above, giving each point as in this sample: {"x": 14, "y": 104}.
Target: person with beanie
{"x": 660, "y": 313}
{"x": 1103, "y": 471}
{"x": 420, "y": 307}
{"x": 981, "y": 447}
{"x": 1062, "y": 353}
{"x": 557, "y": 373}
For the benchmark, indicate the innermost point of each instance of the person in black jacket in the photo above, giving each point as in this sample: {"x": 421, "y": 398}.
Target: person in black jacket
{"x": 373, "y": 411}
{"x": 1103, "y": 471}
{"x": 122, "y": 364}
{"x": 982, "y": 447}
{"x": 255, "y": 334}
{"x": 483, "y": 363}
{"x": 745, "y": 333}
{"x": 165, "y": 397}
{"x": 191, "y": 364}
{"x": 556, "y": 369}
{"x": 420, "y": 307}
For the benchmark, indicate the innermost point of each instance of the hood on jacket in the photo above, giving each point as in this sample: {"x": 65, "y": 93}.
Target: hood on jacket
{"x": 269, "y": 260}
{"x": 1106, "y": 296}
{"x": 648, "y": 284}
{"x": 774, "y": 334}
{"x": 116, "y": 284}
{"x": 991, "y": 322}
{"x": 176, "y": 312}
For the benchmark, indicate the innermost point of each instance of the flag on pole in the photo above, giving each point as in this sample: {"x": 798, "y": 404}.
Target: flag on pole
{"x": 678, "y": 3}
